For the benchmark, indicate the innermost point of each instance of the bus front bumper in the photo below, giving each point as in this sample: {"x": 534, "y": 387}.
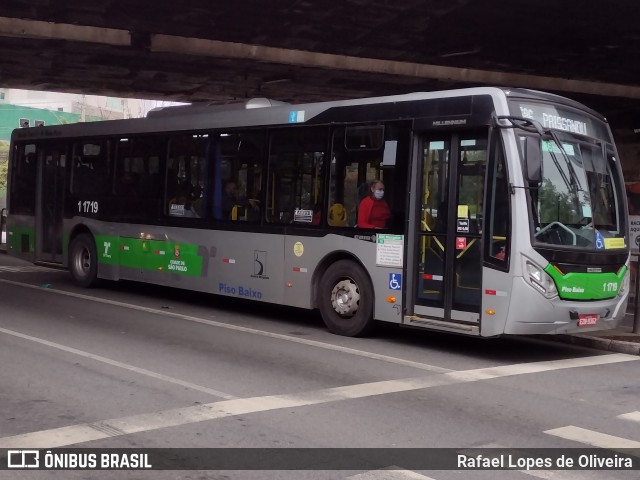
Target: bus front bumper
{"x": 530, "y": 313}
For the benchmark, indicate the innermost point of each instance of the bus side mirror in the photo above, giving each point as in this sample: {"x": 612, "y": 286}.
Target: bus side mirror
{"x": 533, "y": 159}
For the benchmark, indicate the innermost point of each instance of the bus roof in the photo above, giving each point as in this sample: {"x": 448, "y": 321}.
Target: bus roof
{"x": 260, "y": 112}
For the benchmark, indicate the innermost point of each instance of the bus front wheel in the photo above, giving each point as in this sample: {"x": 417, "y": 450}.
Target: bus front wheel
{"x": 83, "y": 261}
{"x": 346, "y": 299}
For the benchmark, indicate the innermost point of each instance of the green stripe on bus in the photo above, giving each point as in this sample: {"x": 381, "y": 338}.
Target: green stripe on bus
{"x": 586, "y": 286}
{"x": 159, "y": 255}
{"x": 21, "y": 239}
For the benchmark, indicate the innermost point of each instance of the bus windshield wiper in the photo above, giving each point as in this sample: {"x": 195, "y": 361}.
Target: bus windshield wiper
{"x": 573, "y": 183}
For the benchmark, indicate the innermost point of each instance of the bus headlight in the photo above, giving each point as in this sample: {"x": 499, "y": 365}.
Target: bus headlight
{"x": 540, "y": 280}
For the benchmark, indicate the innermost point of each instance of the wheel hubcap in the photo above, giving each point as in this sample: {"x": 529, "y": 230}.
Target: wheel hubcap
{"x": 345, "y": 298}
{"x": 83, "y": 261}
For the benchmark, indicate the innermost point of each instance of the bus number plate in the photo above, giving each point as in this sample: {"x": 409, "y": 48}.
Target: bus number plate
{"x": 587, "y": 319}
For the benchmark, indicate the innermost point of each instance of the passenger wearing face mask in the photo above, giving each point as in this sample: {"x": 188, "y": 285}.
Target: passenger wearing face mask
{"x": 373, "y": 211}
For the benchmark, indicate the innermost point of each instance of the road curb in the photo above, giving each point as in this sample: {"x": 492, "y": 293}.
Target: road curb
{"x": 602, "y": 343}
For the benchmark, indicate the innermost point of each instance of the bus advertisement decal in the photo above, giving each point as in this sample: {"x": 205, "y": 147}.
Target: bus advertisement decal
{"x": 147, "y": 254}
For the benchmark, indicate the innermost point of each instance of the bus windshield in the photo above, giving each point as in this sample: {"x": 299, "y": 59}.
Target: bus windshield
{"x": 576, "y": 204}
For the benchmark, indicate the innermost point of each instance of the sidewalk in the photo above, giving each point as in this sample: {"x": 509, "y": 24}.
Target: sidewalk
{"x": 619, "y": 340}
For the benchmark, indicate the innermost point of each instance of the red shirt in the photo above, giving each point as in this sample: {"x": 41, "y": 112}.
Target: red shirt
{"x": 373, "y": 213}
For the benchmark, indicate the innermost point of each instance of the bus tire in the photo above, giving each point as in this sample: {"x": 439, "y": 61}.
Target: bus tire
{"x": 83, "y": 261}
{"x": 345, "y": 299}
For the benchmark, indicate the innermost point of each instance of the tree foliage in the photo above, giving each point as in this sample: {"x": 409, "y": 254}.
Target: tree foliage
{"x": 556, "y": 206}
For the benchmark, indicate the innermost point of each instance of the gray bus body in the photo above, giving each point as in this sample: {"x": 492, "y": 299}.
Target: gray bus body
{"x": 481, "y": 185}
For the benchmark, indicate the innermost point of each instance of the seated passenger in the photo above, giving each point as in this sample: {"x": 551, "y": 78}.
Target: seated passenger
{"x": 231, "y": 199}
{"x": 373, "y": 210}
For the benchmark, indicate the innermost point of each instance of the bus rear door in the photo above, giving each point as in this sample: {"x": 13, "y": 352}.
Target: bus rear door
{"x": 50, "y": 203}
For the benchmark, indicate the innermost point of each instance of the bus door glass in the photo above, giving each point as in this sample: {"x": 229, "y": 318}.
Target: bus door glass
{"x": 451, "y": 184}
{"x": 53, "y": 181}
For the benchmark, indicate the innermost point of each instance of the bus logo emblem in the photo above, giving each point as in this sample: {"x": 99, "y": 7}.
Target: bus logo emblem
{"x": 259, "y": 264}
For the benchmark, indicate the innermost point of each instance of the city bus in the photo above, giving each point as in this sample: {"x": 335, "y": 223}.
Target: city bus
{"x": 506, "y": 211}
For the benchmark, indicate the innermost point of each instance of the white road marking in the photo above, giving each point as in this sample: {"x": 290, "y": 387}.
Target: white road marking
{"x": 389, "y": 473}
{"x": 25, "y": 269}
{"x": 74, "y": 434}
{"x": 590, "y": 437}
{"x": 563, "y": 474}
{"x": 633, "y": 416}
{"x": 115, "y": 363}
{"x": 252, "y": 331}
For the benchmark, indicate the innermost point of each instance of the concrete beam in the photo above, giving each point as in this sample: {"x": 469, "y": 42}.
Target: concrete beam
{"x": 20, "y": 28}
{"x": 260, "y": 53}
{"x": 15, "y": 27}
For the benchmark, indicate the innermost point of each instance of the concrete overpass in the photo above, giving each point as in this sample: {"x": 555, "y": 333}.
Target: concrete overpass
{"x": 301, "y": 50}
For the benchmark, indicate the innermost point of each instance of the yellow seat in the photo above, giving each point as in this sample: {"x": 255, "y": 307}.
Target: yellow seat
{"x": 238, "y": 212}
{"x": 337, "y": 215}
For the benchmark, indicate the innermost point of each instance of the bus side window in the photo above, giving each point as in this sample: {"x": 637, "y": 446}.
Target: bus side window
{"x": 498, "y": 207}
{"x": 23, "y": 183}
{"x": 361, "y": 154}
{"x": 355, "y": 161}
{"x": 186, "y": 183}
{"x": 237, "y": 172}
{"x": 296, "y": 176}
{"x": 92, "y": 167}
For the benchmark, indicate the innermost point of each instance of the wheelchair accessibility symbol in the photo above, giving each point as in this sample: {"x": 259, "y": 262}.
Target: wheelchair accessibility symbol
{"x": 599, "y": 240}
{"x": 395, "y": 281}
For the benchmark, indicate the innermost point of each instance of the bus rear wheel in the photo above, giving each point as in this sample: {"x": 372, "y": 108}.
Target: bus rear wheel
{"x": 83, "y": 261}
{"x": 346, "y": 299}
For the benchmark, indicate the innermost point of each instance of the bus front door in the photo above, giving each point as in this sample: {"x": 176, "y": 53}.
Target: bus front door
{"x": 50, "y": 204}
{"x": 447, "y": 270}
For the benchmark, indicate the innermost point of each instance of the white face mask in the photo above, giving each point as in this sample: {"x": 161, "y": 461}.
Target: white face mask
{"x": 378, "y": 194}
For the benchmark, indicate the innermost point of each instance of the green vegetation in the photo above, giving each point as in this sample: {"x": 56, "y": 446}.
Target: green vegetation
{"x": 557, "y": 206}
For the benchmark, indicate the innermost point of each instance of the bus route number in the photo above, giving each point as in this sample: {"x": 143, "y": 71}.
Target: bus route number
{"x": 87, "y": 206}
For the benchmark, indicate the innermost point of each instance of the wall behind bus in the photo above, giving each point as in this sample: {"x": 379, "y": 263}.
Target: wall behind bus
{"x": 10, "y": 116}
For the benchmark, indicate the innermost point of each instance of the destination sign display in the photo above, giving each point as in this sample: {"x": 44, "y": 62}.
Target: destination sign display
{"x": 553, "y": 117}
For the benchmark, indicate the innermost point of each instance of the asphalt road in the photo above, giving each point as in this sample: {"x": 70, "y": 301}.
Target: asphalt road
{"x": 134, "y": 366}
